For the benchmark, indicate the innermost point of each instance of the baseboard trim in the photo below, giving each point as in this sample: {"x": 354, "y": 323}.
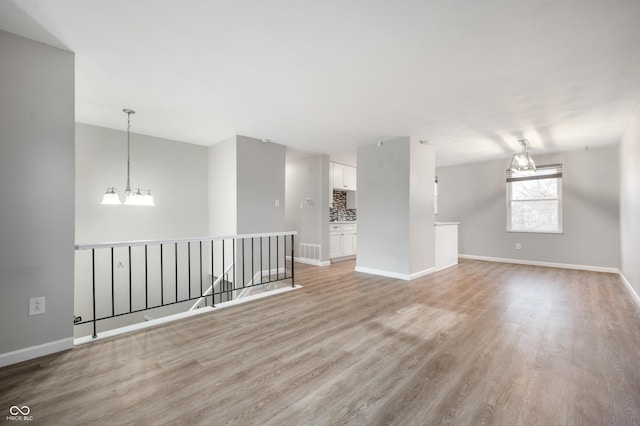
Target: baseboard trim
{"x": 310, "y": 261}
{"x": 422, "y": 273}
{"x": 389, "y": 274}
{"x": 35, "y": 351}
{"x": 446, "y": 266}
{"x": 634, "y": 295}
{"x": 536, "y": 263}
{"x": 382, "y": 273}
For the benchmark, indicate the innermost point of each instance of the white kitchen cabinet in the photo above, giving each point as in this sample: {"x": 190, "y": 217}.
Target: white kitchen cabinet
{"x": 349, "y": 244}
{"x": 335, "y": 245}
{"x": 342, "y": 240}
{"x": 344, "y": 177}
{"x": 338, "y": 176}
{"x": 349, "y": 178}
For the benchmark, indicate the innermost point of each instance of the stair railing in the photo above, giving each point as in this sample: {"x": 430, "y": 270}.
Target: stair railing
{"x": 128, "y": 277}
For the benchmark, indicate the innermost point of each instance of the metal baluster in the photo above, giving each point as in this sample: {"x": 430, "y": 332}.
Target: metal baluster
{"x": 253, "y": 273}
{"x": 292, "y": 263}
{"x": 189, "y": 266}
{"x": 200, "y": 257}
{"x": 243, "y": 263}
{"x": 234, "y": 257}
{"x": 113, "y": 291}
{"x": 224, "y": 285}
{"x": 277, "y": 257}
{"x": 175, "y": 255}
{"x": 130, "y": 284}
{"x": 213, "y": 279}
{"x": 93, "y": 273}
{"x": 161, "y": 277}
{"x": 269, "y": 258}
{"x": 146, "y": 280}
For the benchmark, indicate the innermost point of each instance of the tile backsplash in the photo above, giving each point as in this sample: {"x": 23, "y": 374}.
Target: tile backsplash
{"x": 339, "y": 212}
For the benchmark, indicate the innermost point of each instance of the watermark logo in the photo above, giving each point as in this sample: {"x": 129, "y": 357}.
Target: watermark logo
{"x": 19, "y": 413}
{"x": 15, "y": 410}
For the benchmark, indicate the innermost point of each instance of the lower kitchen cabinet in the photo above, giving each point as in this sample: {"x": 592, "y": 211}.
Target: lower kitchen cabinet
{"x": 342, "y": 240}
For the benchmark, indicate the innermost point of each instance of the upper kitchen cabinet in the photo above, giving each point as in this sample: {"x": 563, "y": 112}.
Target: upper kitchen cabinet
{"x": 344, "y": 177}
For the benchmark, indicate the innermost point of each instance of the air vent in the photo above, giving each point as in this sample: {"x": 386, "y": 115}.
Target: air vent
{"x": 310, "y": 251}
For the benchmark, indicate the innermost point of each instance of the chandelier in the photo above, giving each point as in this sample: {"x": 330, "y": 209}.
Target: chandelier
{"x": 139, "y": 197}
{"x": 522, "y": 161}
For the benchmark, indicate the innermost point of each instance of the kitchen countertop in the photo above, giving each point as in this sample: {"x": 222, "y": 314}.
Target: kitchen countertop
{"x": 341, "y": 222}
{"x": 445, "y": 223}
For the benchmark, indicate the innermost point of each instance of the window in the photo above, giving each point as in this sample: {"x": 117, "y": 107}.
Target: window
{"x": 534, "y": 200}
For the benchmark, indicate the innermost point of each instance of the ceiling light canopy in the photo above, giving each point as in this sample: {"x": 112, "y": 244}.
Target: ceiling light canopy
{"x": 139, "y": 197}
{"x": 522, "y": 162}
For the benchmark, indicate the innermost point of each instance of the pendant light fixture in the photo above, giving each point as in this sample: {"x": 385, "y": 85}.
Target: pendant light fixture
{"x": 139, "y": 197}
{"x": 522, "y": 162}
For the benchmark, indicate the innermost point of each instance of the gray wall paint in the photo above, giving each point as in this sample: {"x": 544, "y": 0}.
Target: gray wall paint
{"x": 176, "y": 172}
{"x": 630, "y": 203}
{"x": 223, "y": 188}
{"x": 37, "y": 191}
{"x": 260, "y": 177}
{"x": 475, "y": 195}
{"x": 246, "y": 177}
{"x": 422, "y": 231}
{"x": 307, "y": 176}
{"x": 383, "y": 207}
{"x": 395, "y": 207}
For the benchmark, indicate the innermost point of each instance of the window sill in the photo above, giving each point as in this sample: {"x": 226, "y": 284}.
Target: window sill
{"x": 535, "y": 232}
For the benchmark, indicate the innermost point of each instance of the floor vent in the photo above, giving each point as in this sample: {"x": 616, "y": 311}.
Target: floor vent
{"x": 310, "y": 251}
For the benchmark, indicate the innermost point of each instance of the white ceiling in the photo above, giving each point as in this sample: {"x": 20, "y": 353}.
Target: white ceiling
{"x": 328, "y": 76}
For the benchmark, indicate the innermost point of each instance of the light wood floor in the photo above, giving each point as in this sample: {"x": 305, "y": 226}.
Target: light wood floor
{"x": 479, "y": 343}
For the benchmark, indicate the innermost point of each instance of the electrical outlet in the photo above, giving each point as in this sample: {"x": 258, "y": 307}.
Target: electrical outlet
{"x": 277, "y": 203}
{"x": 36, "y": 305}
{"x": 518, "y": 246}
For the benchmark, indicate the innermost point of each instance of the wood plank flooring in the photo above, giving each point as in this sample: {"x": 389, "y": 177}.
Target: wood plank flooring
{"x": 478, "y": 343}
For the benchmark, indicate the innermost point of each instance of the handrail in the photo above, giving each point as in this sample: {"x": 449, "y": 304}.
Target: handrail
{"x": 135, "y": 243}
{"x": 210, "y": 289}
{"x": 160, "y": 273}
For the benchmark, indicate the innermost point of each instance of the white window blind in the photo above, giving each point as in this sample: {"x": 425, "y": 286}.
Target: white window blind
{"x": 534, "y": 200}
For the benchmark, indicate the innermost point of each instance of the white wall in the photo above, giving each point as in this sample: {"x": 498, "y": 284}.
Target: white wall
{"x": 395, "y": 216}
{"x": 475, "y": 195}
{"x": 630, "y": 203}
{"x": 307, "y": 176}
{"x": 222, "y": 184}
{"x": 37, "y": 192}
{"x": 176, "y": 172}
